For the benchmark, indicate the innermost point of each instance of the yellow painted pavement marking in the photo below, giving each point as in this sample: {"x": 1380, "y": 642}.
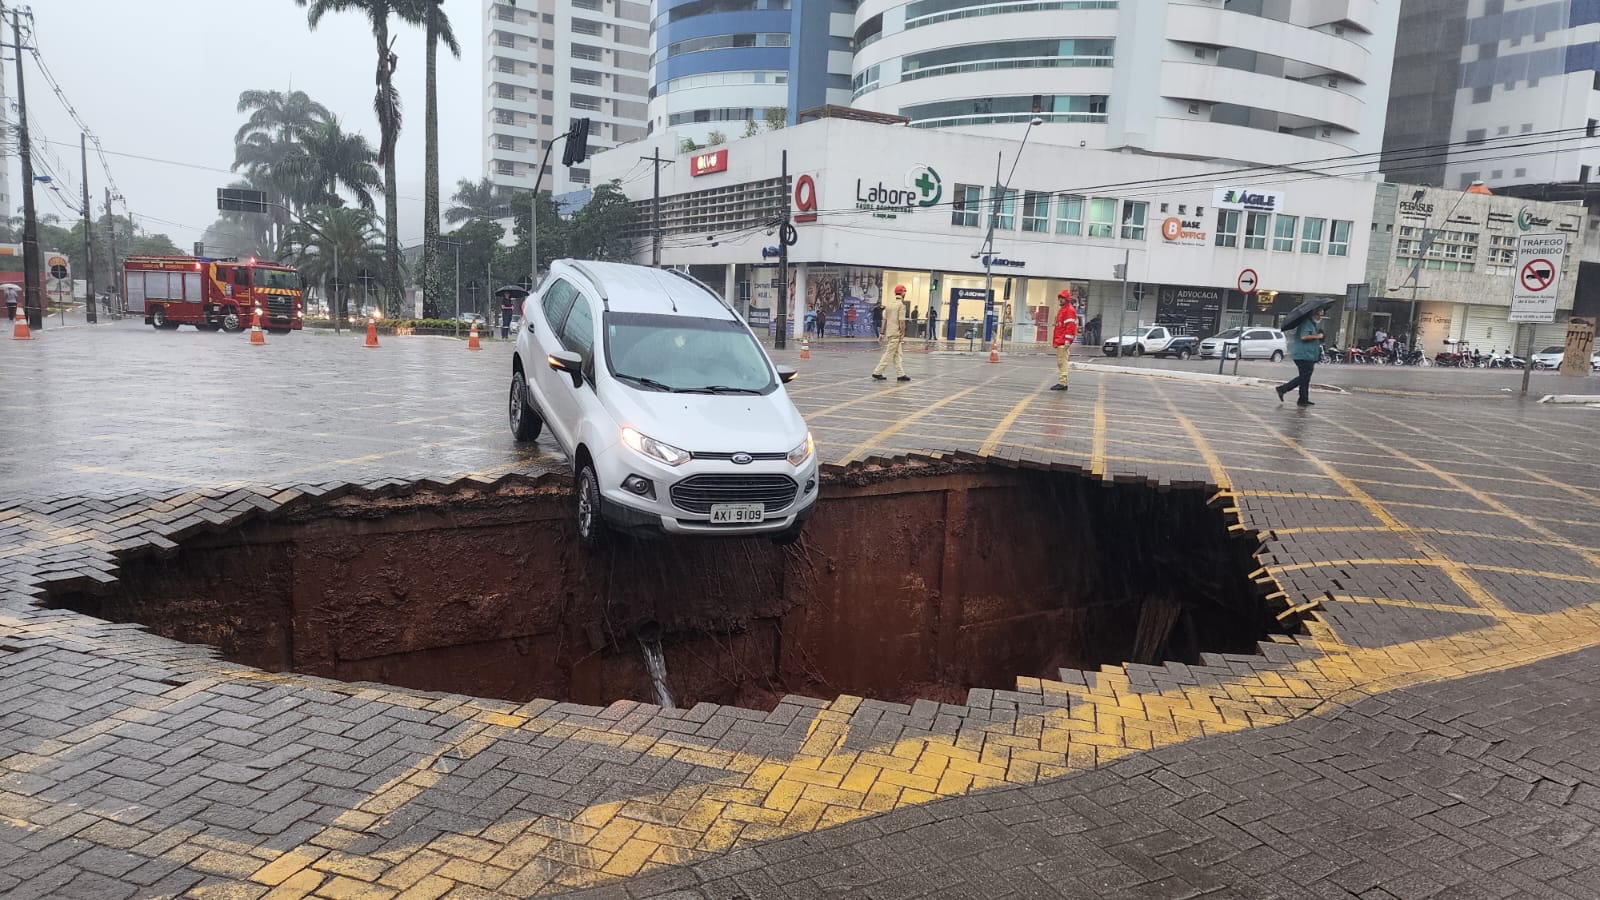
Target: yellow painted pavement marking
{"x": 1219, "y": 475}
{"x": 1097, "y": 456}
{"x": 878, "y": 439}
{"x": 999, "y": 432}
{"x": 1414, "y": 604}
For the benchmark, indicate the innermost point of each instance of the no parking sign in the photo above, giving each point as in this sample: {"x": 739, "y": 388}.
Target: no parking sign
{"x": 1538, "y": 278}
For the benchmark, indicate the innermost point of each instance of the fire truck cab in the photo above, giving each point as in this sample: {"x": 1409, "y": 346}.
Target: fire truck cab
{"x": 212, "y": 294}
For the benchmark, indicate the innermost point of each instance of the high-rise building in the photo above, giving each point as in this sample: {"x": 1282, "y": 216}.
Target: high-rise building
{"x": 719, "y": 65}
{"x": 1502, "y": 71}
{"x": 548, "y": 62}
{"x": 1257, "y": 81}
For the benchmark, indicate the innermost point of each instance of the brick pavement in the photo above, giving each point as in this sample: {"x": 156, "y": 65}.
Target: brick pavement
{"x": 1428, "y": 736}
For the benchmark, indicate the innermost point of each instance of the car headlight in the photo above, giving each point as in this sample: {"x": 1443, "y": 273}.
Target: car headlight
{"x": 803, "y": 452}
{"x": 648, "y": 446}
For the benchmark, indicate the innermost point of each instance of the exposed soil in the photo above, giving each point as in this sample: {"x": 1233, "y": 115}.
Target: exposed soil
{"x": 911, "y": 581}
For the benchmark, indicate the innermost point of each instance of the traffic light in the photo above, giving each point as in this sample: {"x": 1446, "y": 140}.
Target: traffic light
{"x": 577, "y": 148}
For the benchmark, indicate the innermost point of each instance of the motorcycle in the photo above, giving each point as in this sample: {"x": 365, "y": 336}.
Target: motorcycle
{"x": 1461, "y": 357}
{"x": 1506, "y": 361}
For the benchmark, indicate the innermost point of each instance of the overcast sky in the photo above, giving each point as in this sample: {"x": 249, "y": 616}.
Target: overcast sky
{"x": 161, "y": 79}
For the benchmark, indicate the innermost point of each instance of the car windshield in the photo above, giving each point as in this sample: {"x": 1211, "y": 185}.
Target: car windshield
{"x": 1228, "y": 335}
{"x": 1553, "y": 350}
{"x": 679, "y": 353}
{"x": 277, "y": 278}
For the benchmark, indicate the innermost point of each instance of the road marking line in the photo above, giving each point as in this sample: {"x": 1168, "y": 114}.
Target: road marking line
{"x": 999, "y": 432}
{"x": 1219, "y": 475}
{"x": 877, "y": 439}
{"x": 1097, "y": 456}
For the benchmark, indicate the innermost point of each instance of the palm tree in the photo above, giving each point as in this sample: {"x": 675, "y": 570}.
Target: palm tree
{"x": 476, "y": 201}
{"x": 386, "y": 103}
{"x": 438, "y": 30}
{"x": 329, "y": 239}
{"x": 328, "y": 158}
{"x": 282, "y": 117}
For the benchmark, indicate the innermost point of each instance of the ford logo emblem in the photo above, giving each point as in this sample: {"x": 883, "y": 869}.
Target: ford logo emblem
{"x": 742, "y": 459}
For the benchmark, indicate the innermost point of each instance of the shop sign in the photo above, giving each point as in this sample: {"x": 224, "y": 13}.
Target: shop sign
{"x": 1189, "y": 310}
{"x": 805, "y": 199}
{"x": 922, "y": 187}
{"x": 1527, "y": 221}
{"x": 707, "y": 163}
{"x": 1247, "y": 199}
{"x": 1416, "y": 209}
{"x": 1189, "y": 232}
{"x": 1000, "y": 262}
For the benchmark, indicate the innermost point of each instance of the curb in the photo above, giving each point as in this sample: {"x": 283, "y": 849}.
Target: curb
{"x": 1168, "y": 373}
{"x": 1572, "y": 399}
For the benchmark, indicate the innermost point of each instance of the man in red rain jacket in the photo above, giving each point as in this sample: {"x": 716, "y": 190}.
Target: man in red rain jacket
{"x": 1066, "y": 332}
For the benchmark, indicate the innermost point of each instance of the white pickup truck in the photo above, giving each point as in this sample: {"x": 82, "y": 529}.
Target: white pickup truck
{"x": 1153, "y": 339}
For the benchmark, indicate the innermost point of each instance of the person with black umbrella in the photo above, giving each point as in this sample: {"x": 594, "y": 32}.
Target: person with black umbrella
{"x": 1306, "y": 349}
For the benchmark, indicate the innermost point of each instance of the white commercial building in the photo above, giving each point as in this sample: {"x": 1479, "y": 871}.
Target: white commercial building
{"x": 548, "y": 62}
{"x": 1461, "y": 248}
{"x": 1270, "y": 81}
{"x": 879, "y": 205}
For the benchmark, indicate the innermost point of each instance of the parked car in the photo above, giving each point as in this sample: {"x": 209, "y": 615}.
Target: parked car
{"x": 1153, "y": 339}
{"x": 672, "y": 414}
{"x": 471, "y": 318}
{"x": 1594, "y": 360}
{"x": 1183, "y": 346}
{"x": 1258, "y": 343}
{"x": 1550, "y": 357}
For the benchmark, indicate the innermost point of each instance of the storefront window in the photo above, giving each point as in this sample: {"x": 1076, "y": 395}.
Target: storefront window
{"x": 964, "y": 211}
{"x": 1227, "y": 228}
{"x": 1255, "y": 231}
{"x": 1339, "y": 238}
{"x": 1069, "y": 215}
{"x": 1036, "y": 211}
{"x": 1133, "y": 215}
{"x": 1283, "y": 234}
{"x": 1102, "y": 217}
{"x": 1004, "y": 212}
{"x": 1311, "y": 235}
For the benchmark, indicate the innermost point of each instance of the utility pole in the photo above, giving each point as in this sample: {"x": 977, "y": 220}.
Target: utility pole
{"x": 655, "y": 211}
{"x": 88, "y": 235}
{"x": 780, "y": 338}
{"x": 111, "y": 222}
{"x": 33, "y": 300}
{"x": 1122, "y": 311}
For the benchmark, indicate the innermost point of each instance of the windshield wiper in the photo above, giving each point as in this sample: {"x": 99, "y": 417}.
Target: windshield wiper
{"x": 725, "y": 389}
{"x": 651, "y": 383}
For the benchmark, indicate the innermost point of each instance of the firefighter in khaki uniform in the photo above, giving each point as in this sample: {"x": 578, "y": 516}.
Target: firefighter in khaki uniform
{"x": 893, "y": 335}
{"x": 1066, "y": 333}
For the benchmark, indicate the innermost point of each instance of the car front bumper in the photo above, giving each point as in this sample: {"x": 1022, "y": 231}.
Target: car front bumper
{"x": 656, "y": 513}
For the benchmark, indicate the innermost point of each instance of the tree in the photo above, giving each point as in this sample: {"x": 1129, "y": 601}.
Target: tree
{"x": 688, "y": 146}
{"x": 329, "y": 238}
{"x": 475, "y": 201}
{"x": 715, "y": 138}
{"x": 438, "y": 30}
{"x": 751, "y": 129}
{"x": 599, "y": 230}
{"x": 131, "y": 241}
{"x": 326, "y": 159}
{"x": 480, "y": 245}
{"x": 279, "y": 116}
{"x": 386, "y": 104}
{"x": 777, "y": 116}
{"x": 553, "y": 237}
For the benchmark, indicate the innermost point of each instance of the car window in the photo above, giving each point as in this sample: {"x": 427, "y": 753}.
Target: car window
{"x": 1554, "y": 350}
{"x": 653, "y": 352}
{"x": 1257, "y": 335}
{"x": 1277, "y": 335}
{"x": 557, "y": 302}
{"x": 577, "y": 333}
{"x": 1229, "y": 335}
{"x": 1158, "y": 333}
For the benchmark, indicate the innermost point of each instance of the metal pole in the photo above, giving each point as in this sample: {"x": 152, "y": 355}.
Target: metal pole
{"x": 338, "y": 307}
{"x": 655, "y": 212}
{"x": 780, "y": 338}
{"x": 88, "y": 235}
{"x": 1122, "y": 310}
{"x": 1527, "y": 369}
{"x": 116, "y": 282}
{"x": 32, "y": 299}
{"x": 533, "y": 216}
{"x": 988, "y": 241}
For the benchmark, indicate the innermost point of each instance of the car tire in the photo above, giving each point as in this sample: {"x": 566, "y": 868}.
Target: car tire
{"x": 1138, "y": 349}
{"x": 589, "y": 518}
{"x": 230, "y": 322}
{"x": 526, "y": 423}
{"x": 1277, "y": 356}
{"x": 1184, "y": 354}
{"x": 158, "y": 318}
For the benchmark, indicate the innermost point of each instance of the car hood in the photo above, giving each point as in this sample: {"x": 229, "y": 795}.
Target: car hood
{"x": 723, "y": 423}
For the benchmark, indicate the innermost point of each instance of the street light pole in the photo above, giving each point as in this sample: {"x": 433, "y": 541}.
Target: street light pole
{"x": 1000, "y": 189}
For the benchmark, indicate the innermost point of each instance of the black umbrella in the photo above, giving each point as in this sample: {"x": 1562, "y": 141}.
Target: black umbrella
{"x": 516, "y": 291}
{"x": 1304, "y": 310}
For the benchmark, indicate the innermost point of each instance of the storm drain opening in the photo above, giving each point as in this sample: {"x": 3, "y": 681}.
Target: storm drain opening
{"x": 919, "y": 579}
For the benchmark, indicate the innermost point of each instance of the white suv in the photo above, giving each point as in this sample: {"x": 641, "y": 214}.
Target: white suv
{"x": 673, "y": 416}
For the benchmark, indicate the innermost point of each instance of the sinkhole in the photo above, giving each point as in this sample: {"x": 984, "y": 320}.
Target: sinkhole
{"x": 916, "y": 579}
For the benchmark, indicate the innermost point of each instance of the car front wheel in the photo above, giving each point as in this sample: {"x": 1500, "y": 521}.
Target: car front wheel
{"x": 1277, "y": 356}
{"x": 592, "y": 531}
{"x": 525, "y": 421}
{"x": 1183, "y": 354}
{"x": 1138, "y": 349}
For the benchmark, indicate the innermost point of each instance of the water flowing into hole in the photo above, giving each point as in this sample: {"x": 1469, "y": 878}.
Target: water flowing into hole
{"x": 655, "y": 662}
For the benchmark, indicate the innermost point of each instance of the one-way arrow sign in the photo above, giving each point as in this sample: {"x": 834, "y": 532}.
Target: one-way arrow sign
{"x": 1247, "y": 281}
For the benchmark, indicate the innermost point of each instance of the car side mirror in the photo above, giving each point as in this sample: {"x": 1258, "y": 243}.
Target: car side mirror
{"x": 786, "y": 374}
{"x": 570, "y": 363}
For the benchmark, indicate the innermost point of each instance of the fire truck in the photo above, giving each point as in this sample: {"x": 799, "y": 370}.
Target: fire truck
{"x": 212, "y": 294}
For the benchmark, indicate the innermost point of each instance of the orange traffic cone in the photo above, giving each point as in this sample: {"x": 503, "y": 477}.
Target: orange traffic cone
{"x": 472, "y": 339}
{"x": 994, "y": 351}
{"x": 258, "y": 338}
{"x": 20, "y": 331}
{"x": 372, "y": 333}
{"x": 805, "y": 349}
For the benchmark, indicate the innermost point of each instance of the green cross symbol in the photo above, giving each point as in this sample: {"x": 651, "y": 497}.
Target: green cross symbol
{"x": 926, "y": 184}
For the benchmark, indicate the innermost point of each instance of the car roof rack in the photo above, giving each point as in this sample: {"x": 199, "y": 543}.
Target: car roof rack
{"x": 599, "y": 285}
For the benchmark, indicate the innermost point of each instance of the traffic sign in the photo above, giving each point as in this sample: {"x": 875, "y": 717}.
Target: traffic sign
{"x": 1538, "y": 281}
{"x": 1247, "y": 281}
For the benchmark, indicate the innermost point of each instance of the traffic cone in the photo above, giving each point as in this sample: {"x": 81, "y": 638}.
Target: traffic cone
{"x": 372, "y": 333}
{"x": 805, "y": 349}
{"x": 20, "y": 330}
{"x": 258, "y": 338}
{"x": 994, "y": 351}
{"x": 472, "y": 339}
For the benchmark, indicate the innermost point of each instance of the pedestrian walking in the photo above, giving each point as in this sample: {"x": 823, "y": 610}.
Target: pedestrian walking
{"x": 1065, "y": 335}
{"x": 11, "y": 302}
{"x": 507, "y": 306}
{"x": 894, "y": 333}
{"x": 811, "y": 321}
{"x": 1093, "y": 335}
{"x": 1306, "y": 351}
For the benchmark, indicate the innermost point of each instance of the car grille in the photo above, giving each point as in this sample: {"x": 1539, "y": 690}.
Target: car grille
{"x": 280, "y": 306}
{"x": 728, "y": 456}
{"x": 697, "y": 493}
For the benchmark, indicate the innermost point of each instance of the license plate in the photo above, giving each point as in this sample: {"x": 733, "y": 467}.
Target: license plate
{"x": 736, "y": 513}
